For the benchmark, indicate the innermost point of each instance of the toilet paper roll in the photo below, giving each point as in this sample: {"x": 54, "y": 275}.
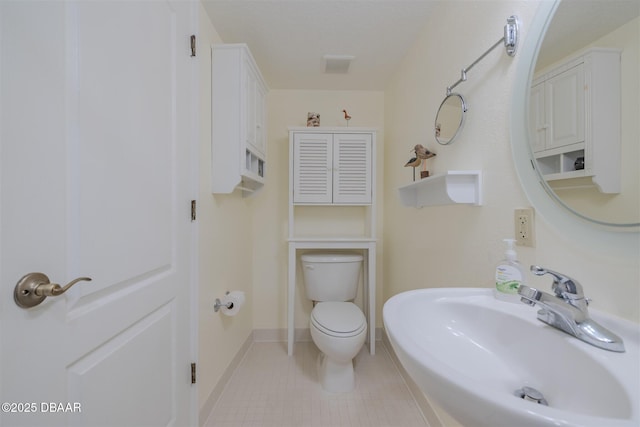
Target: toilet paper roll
{"x": 232, "y": 303}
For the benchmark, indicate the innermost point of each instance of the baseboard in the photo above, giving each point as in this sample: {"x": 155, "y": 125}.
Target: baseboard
{"x": 421, "y": 400}
{"x": 211, "y": 401}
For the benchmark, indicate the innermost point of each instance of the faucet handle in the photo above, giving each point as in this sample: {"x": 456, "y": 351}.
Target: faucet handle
{"x": 563, "y": 286}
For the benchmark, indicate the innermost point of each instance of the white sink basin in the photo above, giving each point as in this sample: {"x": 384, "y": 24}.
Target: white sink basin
{"x": 470, "y": 352}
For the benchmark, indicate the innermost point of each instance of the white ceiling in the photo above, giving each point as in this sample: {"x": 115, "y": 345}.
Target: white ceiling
{"x": 577, "y": 23}
{"x": 288, "y": 38}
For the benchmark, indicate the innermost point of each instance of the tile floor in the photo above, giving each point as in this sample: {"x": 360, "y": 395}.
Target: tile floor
{"x": 271, "y": 389}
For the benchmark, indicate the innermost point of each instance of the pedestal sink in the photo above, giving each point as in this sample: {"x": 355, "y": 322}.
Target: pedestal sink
{"x": 474, "y": 354}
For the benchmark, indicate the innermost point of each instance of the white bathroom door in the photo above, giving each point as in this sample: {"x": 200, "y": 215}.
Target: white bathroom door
{"x": 96, "y": 134}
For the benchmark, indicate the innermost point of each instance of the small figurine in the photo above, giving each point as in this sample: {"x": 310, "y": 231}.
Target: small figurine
{"x": 347, "y": 117}
{"x": 423, "y": 153}
{"x": 313, "y": 119}
{"x": 413, "y": 162}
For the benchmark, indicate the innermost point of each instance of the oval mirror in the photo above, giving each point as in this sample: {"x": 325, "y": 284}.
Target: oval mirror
{"x": 600, "y": 30}
{"x": 597, "y": 236}
{"x": 450, "y": 118}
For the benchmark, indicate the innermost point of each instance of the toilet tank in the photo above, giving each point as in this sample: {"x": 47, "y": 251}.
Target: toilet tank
{"x": 331, "y": 276}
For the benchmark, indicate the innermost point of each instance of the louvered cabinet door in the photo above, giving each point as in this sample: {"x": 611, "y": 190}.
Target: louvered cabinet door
{"x": 352, "y": 169}
{"x": 313, "y": 157}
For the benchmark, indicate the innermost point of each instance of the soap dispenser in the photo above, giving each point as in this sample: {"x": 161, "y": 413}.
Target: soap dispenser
{"x": 509, "y": 275}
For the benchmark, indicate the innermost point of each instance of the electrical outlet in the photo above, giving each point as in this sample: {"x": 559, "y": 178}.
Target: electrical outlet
{"x": 524, "y": 221}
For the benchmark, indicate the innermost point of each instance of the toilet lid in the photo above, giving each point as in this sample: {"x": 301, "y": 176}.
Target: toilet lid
{"x": 342, "y": 319}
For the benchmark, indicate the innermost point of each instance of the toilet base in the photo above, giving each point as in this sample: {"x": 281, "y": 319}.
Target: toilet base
{"x": 335, "y": 377}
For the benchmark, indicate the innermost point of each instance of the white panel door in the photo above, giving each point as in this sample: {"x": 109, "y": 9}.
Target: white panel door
{"x": 95, "y": 152}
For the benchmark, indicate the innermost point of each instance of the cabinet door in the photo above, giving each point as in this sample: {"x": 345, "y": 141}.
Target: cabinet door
{"x": 260, "y": 141}
{"x": 312, "y": 175}
{"x": 255, "y": 125}
{"x": 564, "y": 99}
{"x": 352, "y": 169}
{"x": 537, "y": 119}
{"x": 250, "y": 124}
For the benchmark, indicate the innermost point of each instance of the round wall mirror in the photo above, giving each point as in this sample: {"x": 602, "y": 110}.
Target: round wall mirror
{"x": 594, "y": 174}
{"x": 450, "y": 118}
{"x": 615, "y": 239}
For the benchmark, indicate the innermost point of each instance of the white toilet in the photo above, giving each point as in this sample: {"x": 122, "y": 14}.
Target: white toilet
{"x": 338, "y": 326}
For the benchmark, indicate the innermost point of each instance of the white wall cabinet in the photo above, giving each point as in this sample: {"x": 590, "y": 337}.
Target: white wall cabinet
{"x": 238, "y": 132}
{"x": 574, "y": 115}
{"x": 332, "y": 167}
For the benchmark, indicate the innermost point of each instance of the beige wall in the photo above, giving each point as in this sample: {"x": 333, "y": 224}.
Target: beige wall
{"x": 225, "y": 241}
{"x": 455, "y": 246}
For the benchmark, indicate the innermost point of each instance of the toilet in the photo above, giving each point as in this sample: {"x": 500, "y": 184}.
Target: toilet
{"x": 338, "y": 327}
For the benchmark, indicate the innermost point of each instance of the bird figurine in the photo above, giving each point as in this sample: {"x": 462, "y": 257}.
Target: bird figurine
{"x": 422, "y": 152}
{"x": 347, "y": 117}
{"x": 414, "y": 162}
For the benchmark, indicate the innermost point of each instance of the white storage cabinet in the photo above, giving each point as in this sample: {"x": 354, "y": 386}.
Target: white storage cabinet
{"x": 238, "y": 131}
{"x": 574, "y": 113}
{"x": 332, "y": 168}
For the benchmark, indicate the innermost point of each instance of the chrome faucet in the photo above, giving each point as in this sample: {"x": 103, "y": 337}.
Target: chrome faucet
{"x": 567, "y": 310}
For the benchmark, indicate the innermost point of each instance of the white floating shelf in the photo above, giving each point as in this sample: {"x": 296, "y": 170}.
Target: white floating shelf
{"x": 450, "y": 188}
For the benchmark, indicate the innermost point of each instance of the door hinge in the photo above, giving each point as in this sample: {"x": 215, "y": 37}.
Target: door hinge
{"x": 193, "y": 45}
{"x": 193, "y": 210}
{"x": 193, "y": 373}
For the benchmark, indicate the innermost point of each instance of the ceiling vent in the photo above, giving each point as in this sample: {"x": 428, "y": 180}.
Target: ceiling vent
{"x": 337, "y": 64}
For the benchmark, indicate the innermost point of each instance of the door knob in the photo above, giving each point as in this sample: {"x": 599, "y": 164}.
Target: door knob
{"x": 34, "y": 288}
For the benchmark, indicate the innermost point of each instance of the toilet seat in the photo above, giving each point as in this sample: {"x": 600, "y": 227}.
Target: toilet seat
{"x": 338, "y": 319}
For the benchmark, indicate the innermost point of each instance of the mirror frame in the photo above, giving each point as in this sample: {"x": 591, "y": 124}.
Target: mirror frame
{"x": 612, "y": 240}
{"x": 462, "y": 116}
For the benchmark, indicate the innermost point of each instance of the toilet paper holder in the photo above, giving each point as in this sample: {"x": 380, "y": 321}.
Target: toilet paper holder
{"x": 218, "y": 304}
